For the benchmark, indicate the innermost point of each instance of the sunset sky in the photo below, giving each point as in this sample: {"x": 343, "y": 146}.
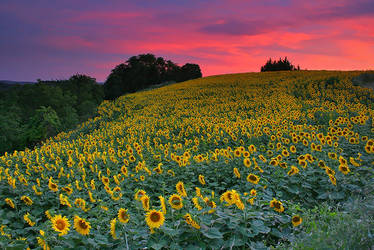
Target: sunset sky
{"x": 49, "y": 39}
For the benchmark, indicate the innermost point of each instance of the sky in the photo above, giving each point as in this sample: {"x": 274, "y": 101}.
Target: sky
{"x": 54, "y": 39}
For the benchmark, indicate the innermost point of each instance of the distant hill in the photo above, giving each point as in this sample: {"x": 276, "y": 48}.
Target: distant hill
{"x": 14, "y": 82}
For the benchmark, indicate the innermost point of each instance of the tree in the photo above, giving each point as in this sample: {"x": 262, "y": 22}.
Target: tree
{"x": 43, "y": 124}
{"x": 144, "y": 70}
{"x": 281, "y": 64}
{"x": 190, "y": 71}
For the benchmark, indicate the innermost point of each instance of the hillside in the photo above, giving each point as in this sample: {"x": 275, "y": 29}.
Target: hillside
{"x": 227, "y": 160}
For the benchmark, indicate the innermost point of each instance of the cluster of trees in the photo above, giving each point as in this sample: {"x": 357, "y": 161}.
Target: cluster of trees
{"x": 145, "y": 70}
{"x": 31, "y": 113}
{"x": 281, "y": 64}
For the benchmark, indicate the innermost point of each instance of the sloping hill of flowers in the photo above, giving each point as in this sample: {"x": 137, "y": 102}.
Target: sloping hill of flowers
{"x": 221, "y": 161}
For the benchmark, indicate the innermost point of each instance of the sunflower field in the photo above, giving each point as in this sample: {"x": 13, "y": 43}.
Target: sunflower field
{"x": 216, "y": 162}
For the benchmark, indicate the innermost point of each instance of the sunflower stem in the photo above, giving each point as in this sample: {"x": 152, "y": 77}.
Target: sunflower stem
{"x": 127, "y": 245}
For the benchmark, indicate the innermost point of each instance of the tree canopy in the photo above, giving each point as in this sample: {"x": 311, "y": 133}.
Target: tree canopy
{"x": 281, "y": 64}
{"x": 144, "y": 70}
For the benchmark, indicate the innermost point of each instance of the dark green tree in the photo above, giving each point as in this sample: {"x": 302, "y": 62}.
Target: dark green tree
{"x": 189, "y": 71}
{"x": 43, "y": 124}
{"x": 281, "y": 64}
{"x": 144, "y": 70}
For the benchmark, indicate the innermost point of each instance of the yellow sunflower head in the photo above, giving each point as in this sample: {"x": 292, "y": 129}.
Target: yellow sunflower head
{"x": 252, "y": 178}
{"x": 81, "y": 225}
{"x": 176, "y": 201}
{"x": 202, "y": 179}
{"x": 296, "y": 220}
{"x": 154, "y": 219}
{"x": 277, "y": 205}
{"x": 139, "y": 194}
{"x": 60, "y": 224}
{"x": 52, "y": 186}
{"x": 180, "y": 189}
{"x": 344, "y": 169}
{"x": 123, "y": 216}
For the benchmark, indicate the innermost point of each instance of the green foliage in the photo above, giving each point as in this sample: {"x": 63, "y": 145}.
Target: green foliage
{"x": 350, "y": 226}
{"x": 31, "y": 113}
{"x": 45, "y": 123}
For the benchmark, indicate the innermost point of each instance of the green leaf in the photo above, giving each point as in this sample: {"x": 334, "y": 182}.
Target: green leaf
{"x": 259, "y": 226}
{"x": 212, "y": 233}
{"x": 337, "y": 196}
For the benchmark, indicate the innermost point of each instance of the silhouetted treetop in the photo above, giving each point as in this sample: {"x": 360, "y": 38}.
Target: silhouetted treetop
{"x": 144, "y": 70}
{"x": 281, "y": 64}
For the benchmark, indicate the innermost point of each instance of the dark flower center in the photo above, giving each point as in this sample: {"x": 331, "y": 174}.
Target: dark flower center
{"x": 82, "y": 224}
{"x": 60, "y": 224}
{"x": 155, "y": 217}
{"x": 296, "y": 219}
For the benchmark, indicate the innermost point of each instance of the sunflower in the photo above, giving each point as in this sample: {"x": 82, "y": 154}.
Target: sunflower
{"x": 253, "y": 178}
{"x": 113, "y": 223}
{"x": 353, "y": 162}
{"x": 296, "y": 220}
{"x": 9, "y": 202}
{"x": 105, "y": 180}
{"x": 123, "y": 216}
{"x": 283, "y": 165}
{"x": 211, "y": 204}
{"x": 27, "y": 200}
{"x": 285, "y": 153}
{"x": 145, "y": 202}
{"x": 190, "y": 221}
{"x": 253, "y": 192}
{"x": 277, "y": 205}
{"x": 293, "y": 149}
{"x": 247, "y": 162}
{"x": 176, "y": 201}
{"x": 202, "y": 179}
{"x": 28, "y": 220}
{"x": 229, "y": 196}
{"x": 303, "y": 163}
{"x": 236, "y": 173}
{"x": 158, "y": 169}
{"x": 81, "y": 225}
{"x": 195, "y": 201}
{"x": 139, "y": 194}
{"x": 344, "y": 169}
{"x": 124, "y": 171}
{"x": 237, "y": 152}
{"x": 52, "y": 186}
{"x": 342, "y": 160}
{"x": 294, "y": 170}
{"x": 180, "y": 189}
{"x": 68, "y": 190}
{"x": 332, "y": 179}
{"x": 162, "y": 202}
{"x": 154, "y": 219}
{"x": 60, "y": 224}
{"x": 273, "y": 162}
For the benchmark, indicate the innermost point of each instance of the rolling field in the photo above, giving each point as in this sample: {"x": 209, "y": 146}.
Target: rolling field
{"x": 222, "y": 161}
